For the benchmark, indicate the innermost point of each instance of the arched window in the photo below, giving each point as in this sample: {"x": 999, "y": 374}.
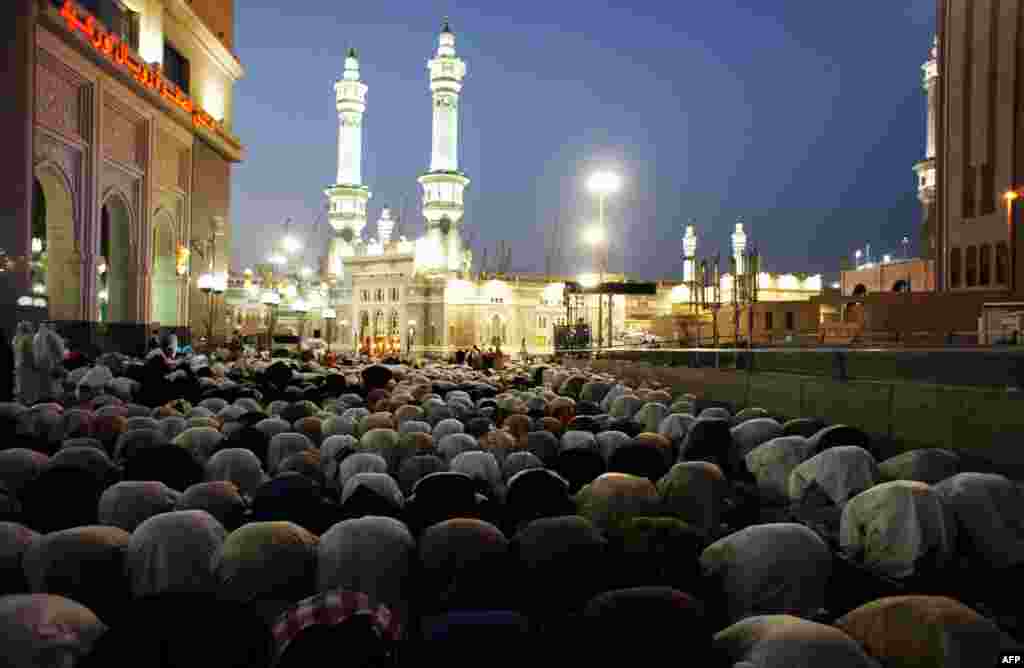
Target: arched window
{"x": 393, "y": 326}
{"x": 954, "y": 268}
{"x": 364, "y": 324}
{"x": 378, "y": 323}
{"x": 971, "y": 268}
{"x": 984, "y": 264}
{"x": 433, "y": 335}
{"x": 901, "y": 286}
{"x": 1002, "y": 261}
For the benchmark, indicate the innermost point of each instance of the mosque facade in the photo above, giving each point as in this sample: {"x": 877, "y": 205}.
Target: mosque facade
{"x": 421, "y": 296}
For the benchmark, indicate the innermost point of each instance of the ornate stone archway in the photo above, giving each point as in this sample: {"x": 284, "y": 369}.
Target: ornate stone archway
{"x": 164, "y": 280}
{"x": 61, "y": 268}
{"x": 120, "y": 275}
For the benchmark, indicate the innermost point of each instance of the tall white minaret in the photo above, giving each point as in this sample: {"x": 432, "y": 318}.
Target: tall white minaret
{"x": 385, "y": 226}
{"x": 348, "y": 196}
{"x": 689, "y": 254}
{"x": 739, "y": 246}
{"x": 926, "y": 183}
{"x": 441, "y": 250}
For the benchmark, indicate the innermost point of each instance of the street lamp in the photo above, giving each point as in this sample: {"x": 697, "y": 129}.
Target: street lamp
{"x": 207, "y": 283}
{"x": 602, "y": 184}
{"x": 412, "y": 335}
{"x": 291, "y": 244}
{"x": 857, "y": 255}
{"x": 1010, "y": 197}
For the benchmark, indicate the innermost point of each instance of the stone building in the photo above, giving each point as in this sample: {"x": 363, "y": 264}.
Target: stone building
{"x": 980, "y": 146}
{"x": 119, "y": 149}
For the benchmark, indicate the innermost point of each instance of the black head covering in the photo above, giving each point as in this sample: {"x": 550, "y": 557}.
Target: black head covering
{"x": 626, "y": 426}
{"x": 441, "y": 496}
{"x": 639, "y": 459}
{"x": 170, "y": 464}
{"x": 356, "y": 637}
{"x": 292, "y": 497}
{"x": 62, "y": 498}
{"x": 579, "y": 467}
{"x": 184, "y": 631}
{"x": 656, "y": 612}
{"x": 365, "y": 502}
{"x": 415, "y": 468}
{"x": 536, "y": 493}
{"x": 544, "y": 445}
{"x": 248, "y": 438}
{"x": 708, "y": 440}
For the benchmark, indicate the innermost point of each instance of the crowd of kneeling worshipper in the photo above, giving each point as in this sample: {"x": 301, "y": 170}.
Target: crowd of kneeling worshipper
{"x": 177, "y": 512}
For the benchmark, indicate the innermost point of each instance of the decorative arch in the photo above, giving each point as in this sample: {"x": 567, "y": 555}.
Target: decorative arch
{"x": 394, "y": 327}
{"x": 115, "y": 257}
{"x": 163, "y": 279}
{"x": 59, "y": 273}
{"x": 364, "y": 324}
{"x": 378, "y": 323}
{"x": 860, "y": 290}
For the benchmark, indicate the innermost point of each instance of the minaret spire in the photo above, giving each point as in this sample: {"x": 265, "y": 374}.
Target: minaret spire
{"x": 347, "y": 198}
{"x": 443, "y": 186}
{"x": 926, "y": 175}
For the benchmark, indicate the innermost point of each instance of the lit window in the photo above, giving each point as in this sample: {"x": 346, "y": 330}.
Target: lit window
{"x": 176, "y": 67}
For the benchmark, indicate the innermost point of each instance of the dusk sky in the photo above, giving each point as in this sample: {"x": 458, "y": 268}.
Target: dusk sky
{"x": 803, "y": 118}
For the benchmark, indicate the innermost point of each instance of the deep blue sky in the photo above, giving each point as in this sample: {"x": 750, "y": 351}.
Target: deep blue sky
{"x": 804, "y": 118}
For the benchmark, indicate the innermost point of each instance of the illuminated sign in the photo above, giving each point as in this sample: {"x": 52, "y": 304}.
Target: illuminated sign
{"x": 151, "y": 77}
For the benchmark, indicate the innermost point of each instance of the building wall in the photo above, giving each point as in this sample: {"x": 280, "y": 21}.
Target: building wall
{"x": 211, "y": 206}
{"x": 211, "y": 86}
{"x": 920, "y": 274}
{"x": 101, "y": 141}
{"x": 980, "y": 150}
{"x": 219, "y": 16}
{"x": 17, "y": 46}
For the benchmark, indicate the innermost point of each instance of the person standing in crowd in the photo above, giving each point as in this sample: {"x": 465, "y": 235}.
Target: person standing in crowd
{"x": 48, "y": 348}
{"x": 26, "y": 386}
{"x": 154, "y": 341}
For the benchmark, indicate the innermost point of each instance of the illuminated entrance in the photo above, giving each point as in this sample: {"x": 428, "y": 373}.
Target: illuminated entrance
{"x": 56, "y": 274}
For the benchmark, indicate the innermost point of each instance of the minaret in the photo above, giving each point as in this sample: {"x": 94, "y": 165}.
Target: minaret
{"x": 441, "y": 249}
{"x": 739, "y": 247}
{"x": 925, "y": 169}
{"x": 689, "y": 254}
{"x": 385, "y": 226}
{"x": 348, "y": 196}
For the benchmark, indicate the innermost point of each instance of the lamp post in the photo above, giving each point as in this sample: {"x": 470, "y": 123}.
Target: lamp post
{"x": 711, "y": 292}
{"x": 602, "y": 184}
{"x": 1010, "y": 197}
{"x": 412, "y": 335}
{"x": 598, "y": 242}
{"x": 330, "y": 315}
{"x": 302, "y": 308}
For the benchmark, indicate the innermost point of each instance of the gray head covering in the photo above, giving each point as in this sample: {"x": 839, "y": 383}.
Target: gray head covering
{"x": 34, "y": 626}
{"x": 453, "y": 445}
{"x": 410, "y": 426}
{"x": 361, "y": 462}
{"x": 446, "y": 427}
{"x": 989, "y": 508}
{"x": 771, "y": 569}
{"x": 839, "y": 473}
{"x": 239, "y": 466}
{"x": 695, "y": 492}
{"x": 578, "y": 440}
{"x": 329, "y": 450}
{"x": 273, "y": 426}
{"x": 610, "y": 441}
{"x": 284, "y": 445}
{"x": 174, "y": 552}
{"x": 220, "y": 498}
{"x": 482, "y": 466}
{"x": 371, "y": 555}
{"x": 267, "y": 561}
{"x": 519, "y": 461}
{"x": 752, "y": 433}
{"x": 417, "y": 467}
{"x": 381, "y": 483}
{"x": 128, "y": 504}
